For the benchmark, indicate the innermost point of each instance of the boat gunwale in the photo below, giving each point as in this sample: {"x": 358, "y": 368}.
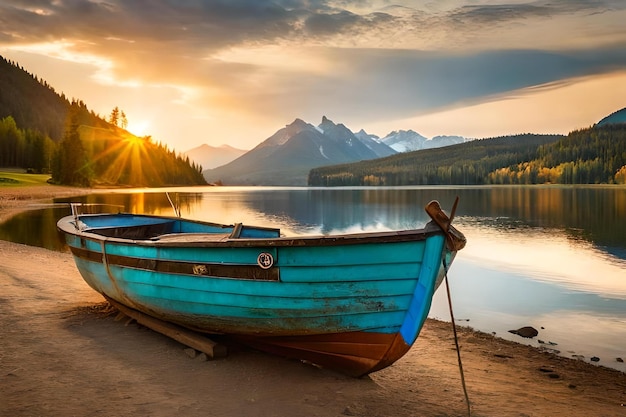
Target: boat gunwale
{"x": 219, "y": 240}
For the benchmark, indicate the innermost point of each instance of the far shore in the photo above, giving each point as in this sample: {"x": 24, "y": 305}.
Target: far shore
{"x": 63, "y": 353}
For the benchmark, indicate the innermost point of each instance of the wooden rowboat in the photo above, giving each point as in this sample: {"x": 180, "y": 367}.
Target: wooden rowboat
{"x": 353, "y": 302}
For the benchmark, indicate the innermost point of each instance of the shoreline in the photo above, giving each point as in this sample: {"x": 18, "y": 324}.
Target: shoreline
{"x": 63, "y": 353}
{"x": 13, "y": 198}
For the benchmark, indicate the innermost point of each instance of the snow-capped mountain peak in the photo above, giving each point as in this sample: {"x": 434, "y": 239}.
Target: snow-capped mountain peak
{"x": 404, "y": 140}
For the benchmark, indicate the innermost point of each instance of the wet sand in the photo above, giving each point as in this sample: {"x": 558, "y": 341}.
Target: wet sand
{"x": 62, "y": 353}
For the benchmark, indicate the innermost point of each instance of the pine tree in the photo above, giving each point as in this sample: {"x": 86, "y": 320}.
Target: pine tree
{"x": 123, "y": 120}
{"x": 114, "y": 118}
{"x": 70, "y": 162}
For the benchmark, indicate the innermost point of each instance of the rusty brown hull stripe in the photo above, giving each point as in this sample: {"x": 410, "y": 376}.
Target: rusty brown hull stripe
{"x": 353, "y": 353}
{"x": 252, "y": 272}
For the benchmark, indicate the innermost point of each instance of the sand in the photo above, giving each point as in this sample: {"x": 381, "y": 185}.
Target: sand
{"x": 62, "y": 353}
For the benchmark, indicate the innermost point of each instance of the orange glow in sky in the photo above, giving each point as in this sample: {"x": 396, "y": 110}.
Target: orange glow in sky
{"x": 219, "y": 73}
{"x": 552, "y": 109}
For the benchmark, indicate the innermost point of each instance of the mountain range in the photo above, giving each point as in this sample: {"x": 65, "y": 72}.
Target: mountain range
{"x": 286, "y": 157}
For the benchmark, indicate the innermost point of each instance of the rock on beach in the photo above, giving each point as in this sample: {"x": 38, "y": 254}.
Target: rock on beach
{"x": 526, "y": 331}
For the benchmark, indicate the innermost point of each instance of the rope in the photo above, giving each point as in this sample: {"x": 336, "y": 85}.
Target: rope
{"x": 456, "y": 339}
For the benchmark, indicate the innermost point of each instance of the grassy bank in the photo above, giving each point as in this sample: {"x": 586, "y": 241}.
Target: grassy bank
{"x": 19, "y": 178}
{"x": 19, "y": 189}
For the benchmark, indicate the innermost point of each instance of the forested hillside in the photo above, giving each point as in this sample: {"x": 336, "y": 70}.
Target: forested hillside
{"x": 29, "y": 148}
{"x": 467, "y": 163}
{"x": 31, "y": 102}
{"x": 43, "y": 132}
{"x": 589, "y": 156}
{"x": 95, "y": 156}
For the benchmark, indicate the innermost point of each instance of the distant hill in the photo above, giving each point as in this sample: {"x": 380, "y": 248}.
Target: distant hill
{"x": 211, "y": 157}
{"x": 595, "y": 155}
{"x": 286, "y": 157}
{"x": 464, "y": 164}
{"x": 614, "y": 118}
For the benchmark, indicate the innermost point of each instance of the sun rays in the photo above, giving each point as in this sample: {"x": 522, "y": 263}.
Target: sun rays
{"x": 128, "y": 161}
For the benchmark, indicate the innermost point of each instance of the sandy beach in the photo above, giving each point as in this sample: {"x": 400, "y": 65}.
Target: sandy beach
{"x": 62, "y": 353}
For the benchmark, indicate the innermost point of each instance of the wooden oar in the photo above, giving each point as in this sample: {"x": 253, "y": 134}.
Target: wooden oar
{"x": 442, "y": 220}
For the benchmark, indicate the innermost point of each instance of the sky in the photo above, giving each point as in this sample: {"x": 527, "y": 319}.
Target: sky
{"x": 190, "y": 72}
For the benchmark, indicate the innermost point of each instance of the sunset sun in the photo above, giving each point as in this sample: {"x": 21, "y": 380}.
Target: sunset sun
{"x": 139, "y": 127}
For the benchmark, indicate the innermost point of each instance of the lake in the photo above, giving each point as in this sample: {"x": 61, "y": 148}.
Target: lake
{"x": 551, "y": 257}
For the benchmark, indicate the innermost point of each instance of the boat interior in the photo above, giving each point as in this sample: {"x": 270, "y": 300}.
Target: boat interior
{"x": 156, "y": 228}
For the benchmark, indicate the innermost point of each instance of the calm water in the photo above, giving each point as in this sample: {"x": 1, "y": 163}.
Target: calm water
{"x": 550, "y": 257}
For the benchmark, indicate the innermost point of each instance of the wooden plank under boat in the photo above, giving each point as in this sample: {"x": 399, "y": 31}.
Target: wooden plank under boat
{"x": 352, "y": 302}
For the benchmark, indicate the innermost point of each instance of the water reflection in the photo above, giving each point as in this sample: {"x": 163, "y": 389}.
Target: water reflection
{"x": 549, "y": 255}
{"x": 35, "y": 228}
{"x": 579, "y": 322}
{"x": 594, "y": 214}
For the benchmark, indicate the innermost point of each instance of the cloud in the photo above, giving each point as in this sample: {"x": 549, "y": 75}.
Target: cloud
{"x": 202, "y": 28}
{"x": 378, "y": 84}
{"x": 367, "y": 60}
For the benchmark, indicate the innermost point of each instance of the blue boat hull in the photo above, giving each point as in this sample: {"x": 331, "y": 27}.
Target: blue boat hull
{"x": 355, "y": 303}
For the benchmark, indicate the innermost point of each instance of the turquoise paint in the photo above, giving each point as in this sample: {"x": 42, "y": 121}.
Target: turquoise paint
{"x": 225, "y": 255}
{"x": 356, "y": 254}
{"x": 266, "y": 296}
{"x": 95, "y": 276}
{"x": 322, "y": 289}
{"x": 424, "y": 290}
{"x": 386, "y": 288}
{"x": 405, "y": 271}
